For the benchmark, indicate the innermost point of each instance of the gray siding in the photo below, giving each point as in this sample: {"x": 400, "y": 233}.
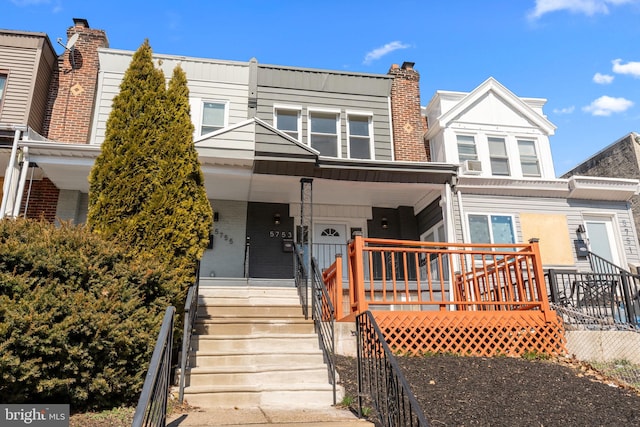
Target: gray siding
{"x": 18, "y": 56}
{"x": 317, "y": 89}
{"x": 207, "y": 79}
{"x": 429, "y": 216}
{"x": 573, "y": 209}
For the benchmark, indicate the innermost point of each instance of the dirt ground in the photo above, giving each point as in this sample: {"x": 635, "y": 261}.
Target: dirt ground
{"x": 504, "y": 391}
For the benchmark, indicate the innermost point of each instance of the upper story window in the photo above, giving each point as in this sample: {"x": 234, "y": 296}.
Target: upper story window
{"x": 323, "y": 132}
{"x": 214, "y": 116}
{"x": 498, "y": 156}
{"x": 359, "y": 132}
{"x": 528, "y": 158}
{"x": 3, "y": 82}
{"x": 466, "y": 148}
{"x": 288, "y": 120}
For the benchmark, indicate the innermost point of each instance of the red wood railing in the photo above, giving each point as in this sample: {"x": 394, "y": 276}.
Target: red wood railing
{"x": 488, "y": 285}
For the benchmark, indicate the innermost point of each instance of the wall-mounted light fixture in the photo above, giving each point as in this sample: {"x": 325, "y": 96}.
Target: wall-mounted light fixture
{"x": 216, "y": 216}
{"x": 276, "y": 219}
{"x": 580, "y": 230}
{"x": 384, "y": 223}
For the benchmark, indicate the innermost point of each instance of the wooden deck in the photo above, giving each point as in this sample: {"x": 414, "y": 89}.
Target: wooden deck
{"x": 475, "y": 299}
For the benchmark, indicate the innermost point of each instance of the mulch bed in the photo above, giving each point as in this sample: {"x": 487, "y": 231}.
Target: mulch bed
{"x": 505, "y": 391}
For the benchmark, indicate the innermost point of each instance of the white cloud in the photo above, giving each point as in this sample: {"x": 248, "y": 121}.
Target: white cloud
{"x": 565, "y": 110}
{"x": 631, "y": 68}
{"x": 382, "y": 51}
{"x": 602, "y": 79}
{"x": 587, "y": 7}
{"x": 607, "y": 105}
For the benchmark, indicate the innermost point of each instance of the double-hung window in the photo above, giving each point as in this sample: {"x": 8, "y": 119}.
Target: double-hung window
{"x": 466, "y": 148}
{"x": 288, "y": 121}
{"x": 214, "y": 116}
{"x": 3, "y": 83}
{"x": 323, "y": 134}
{"x": 359, "y": 131}
{"x": 494, "y": 229}
{"x": 498, "y": 156}
{"x": 528, "y": 158}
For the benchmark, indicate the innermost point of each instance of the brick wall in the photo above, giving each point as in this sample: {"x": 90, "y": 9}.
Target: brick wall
{"x": 42, "y": 200}
{"x": 73, "y": 86}
{"x": 409, "y": 126}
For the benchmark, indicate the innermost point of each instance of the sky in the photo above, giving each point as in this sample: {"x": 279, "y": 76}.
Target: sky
{"x": 583, "y": 56}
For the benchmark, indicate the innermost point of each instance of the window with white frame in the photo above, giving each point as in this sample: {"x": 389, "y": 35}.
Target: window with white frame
{"x": 323, "y": 132}
{"x": 288, "y": 121}
{"x": 359, "y": 131}
{"x": 498, "y": 156}
{"x": 466, "y": 148}
{"x": 528, "y": 158}
{"x": 494, "y": 229}
{"x": 214, "y": 116}
{"x": 3, "y": 82}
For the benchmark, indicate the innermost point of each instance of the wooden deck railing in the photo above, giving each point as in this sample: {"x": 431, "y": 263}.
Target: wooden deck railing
{"x": 494, "y": 287}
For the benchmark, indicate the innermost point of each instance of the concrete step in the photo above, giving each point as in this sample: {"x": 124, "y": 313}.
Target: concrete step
{"x": 254, "y": 326}
{"x": 248, "y": 375}
{"x": 274, "y": 342}
{"x": 248, "y": 292}
{"x": 243, "y": 396}
{"x": 264, "y": 360}
{"x": 226, "y": 309}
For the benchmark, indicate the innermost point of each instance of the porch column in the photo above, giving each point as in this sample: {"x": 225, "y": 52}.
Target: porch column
{"x": 306, "y": 220}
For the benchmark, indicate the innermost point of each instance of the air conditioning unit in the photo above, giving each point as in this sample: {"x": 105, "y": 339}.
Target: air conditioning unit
{"x": 472, "y": 167}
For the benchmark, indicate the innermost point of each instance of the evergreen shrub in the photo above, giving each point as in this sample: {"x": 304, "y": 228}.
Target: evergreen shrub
{"x": 79, "y": 316}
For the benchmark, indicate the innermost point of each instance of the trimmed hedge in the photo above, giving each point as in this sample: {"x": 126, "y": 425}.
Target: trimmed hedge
{"x": 79, "y": 316}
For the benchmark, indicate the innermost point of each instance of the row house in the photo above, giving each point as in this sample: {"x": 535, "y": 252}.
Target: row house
{"x": 293, "y": 155}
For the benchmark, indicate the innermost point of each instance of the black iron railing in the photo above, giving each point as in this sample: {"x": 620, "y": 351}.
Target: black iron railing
{"x": 612, "y": 295}
{"x": 324, "y": 322}
{"x": 380, "y": 377}
{"x": 190, "y": 314}
{"x": 152, "y": 405}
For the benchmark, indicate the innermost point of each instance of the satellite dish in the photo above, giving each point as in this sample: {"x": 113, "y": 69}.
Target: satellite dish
{"x": 72, "y": 41}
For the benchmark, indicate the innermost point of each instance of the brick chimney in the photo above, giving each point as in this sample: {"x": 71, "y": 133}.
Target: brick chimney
{"x": 408, "y": 124}
{"x": 73, "y": 85}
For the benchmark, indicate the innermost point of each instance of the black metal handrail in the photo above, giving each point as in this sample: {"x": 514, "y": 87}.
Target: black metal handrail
{"x": 324, "y": 322}
{"x": 609, "y": 295}
{"x": 190, "y": 314}
{"x": 152, "y": 405}
{"x": 393, "y": 401}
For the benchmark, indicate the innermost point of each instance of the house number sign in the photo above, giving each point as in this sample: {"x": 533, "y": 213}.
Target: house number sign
{"x": 283, "y": 234}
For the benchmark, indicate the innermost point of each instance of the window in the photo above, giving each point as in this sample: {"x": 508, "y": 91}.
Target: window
{"x": 3, "y": 82}
{"x": 214, "y": 116}
{"x": 324, "y": 133}
{"x": 528, "y": 158}
{"x": 466, "y": 148}
{"x": 359, "y": 131}
{"x": 495, "y": 229}
{"x": 288, "y": 121}
{"x": 498, "y": 155}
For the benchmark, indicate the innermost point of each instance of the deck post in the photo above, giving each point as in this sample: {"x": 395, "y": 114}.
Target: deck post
{"x": 539, "y": 279}
{"x": 358, "y": 274}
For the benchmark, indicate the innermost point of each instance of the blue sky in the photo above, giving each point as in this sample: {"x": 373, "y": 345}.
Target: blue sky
{"x": 583, "y": 56}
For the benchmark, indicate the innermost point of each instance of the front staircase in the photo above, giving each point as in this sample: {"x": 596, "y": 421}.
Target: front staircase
{"x": 253, "y": 347}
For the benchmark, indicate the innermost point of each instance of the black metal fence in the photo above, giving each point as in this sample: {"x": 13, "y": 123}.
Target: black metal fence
{"x": 152, "y": 405}
{"x": 381, "y": 378}
{"x": 324, "y": 322}
{"x": 190, "y": 314}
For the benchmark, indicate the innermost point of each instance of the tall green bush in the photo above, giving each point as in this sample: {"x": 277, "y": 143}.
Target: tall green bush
{"x": 147, "y": 188}
{"x": 79, "y": 316}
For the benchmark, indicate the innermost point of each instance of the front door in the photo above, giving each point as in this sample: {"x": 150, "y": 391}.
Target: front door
{"x": 329, "y": 240}
{"x": 602, "y": 241}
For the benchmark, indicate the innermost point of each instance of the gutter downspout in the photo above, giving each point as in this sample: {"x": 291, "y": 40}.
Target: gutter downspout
{"x": 23, "y": 179}
{"x": 9, "y": 174}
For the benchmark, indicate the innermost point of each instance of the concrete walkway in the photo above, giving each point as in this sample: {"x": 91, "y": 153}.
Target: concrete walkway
{"x": 255, "y": 417}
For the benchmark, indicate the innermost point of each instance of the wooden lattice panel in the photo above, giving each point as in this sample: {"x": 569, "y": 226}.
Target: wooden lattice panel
{"x": 472, "y": 333}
